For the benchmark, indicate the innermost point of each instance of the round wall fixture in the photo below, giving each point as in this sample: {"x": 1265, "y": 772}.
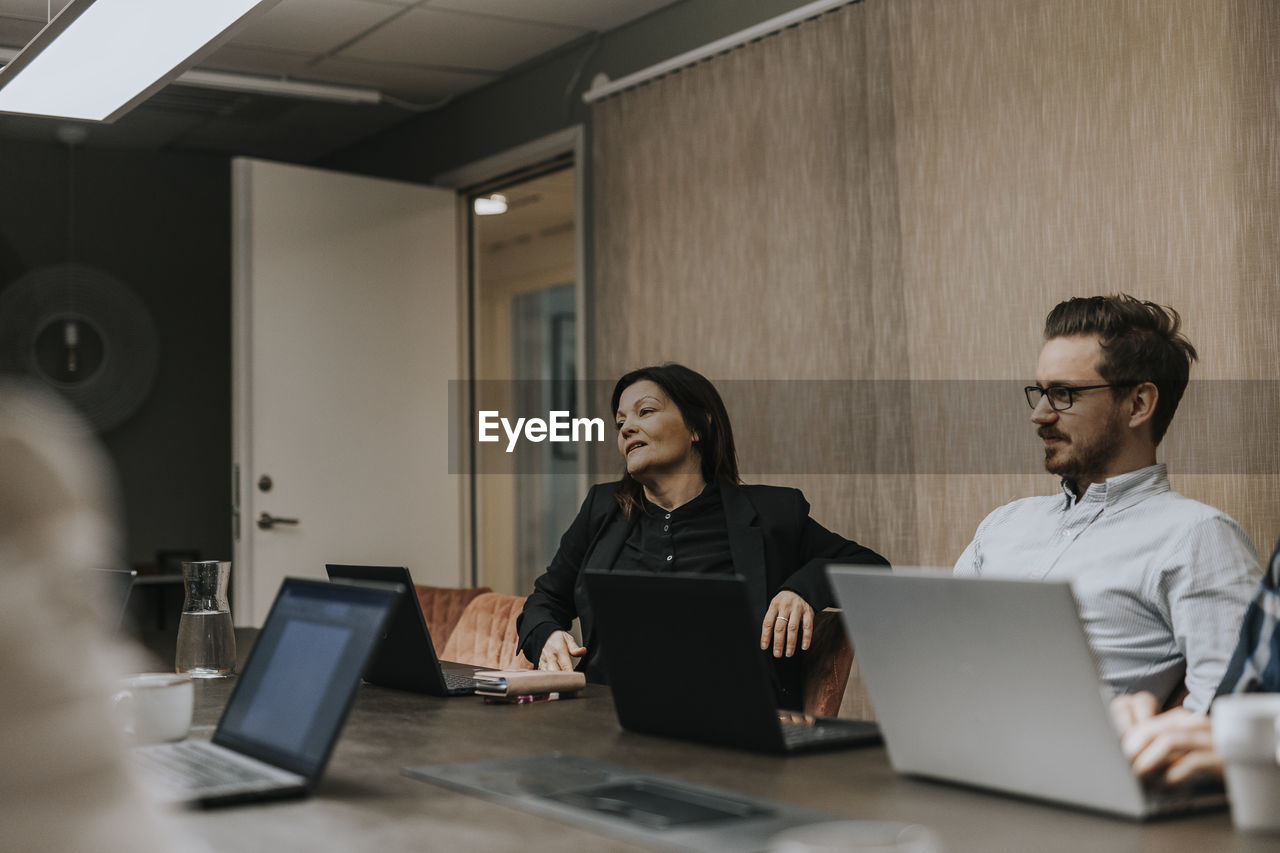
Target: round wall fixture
{"x": 84, "y": 334}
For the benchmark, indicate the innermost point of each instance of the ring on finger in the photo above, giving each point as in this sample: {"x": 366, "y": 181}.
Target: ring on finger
{"x": 784, "y": 619}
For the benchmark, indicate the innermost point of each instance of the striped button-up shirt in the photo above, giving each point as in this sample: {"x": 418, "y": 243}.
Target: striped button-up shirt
{"x": 1162, "y": 580}
{"x": 1255, "y": 667}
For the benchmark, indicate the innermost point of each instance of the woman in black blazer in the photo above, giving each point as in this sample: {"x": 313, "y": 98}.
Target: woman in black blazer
{"x": 681, "y": 507}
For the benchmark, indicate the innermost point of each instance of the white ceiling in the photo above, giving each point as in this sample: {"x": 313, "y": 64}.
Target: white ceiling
{"x": 416, "y": 52}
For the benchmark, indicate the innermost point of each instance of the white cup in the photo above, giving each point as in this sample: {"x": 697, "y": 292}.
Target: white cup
{"x": 856, "y": 836}
{"x": 155, "y": 706}
{"x": 1245, "y": 735}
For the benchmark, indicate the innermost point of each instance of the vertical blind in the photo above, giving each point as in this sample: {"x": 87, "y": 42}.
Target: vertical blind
{"x": 876, "y": 208}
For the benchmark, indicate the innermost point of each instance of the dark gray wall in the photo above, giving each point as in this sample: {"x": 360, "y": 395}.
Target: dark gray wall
{"x": 160, "y": 223}
{"x": 546, "y": 96}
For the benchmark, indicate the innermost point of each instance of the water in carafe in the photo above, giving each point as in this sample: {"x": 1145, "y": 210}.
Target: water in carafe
{"x": 206, "y": 644}
{"x": 206, "y": 634}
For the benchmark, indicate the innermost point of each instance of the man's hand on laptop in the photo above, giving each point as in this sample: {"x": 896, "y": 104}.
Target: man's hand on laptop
{"x": 1171, "y": 747}
{"x": 787, "y": 622}
{"x": 559, "y": 651}
{"x": 1129, "y": 709}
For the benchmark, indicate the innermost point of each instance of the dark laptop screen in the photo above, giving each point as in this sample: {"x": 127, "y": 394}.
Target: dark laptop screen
{"x": 302, "y": 675}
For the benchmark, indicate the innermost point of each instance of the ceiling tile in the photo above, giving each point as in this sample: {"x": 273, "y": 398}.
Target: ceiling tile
{"x": 15, "y": 32}
{"x": 301, "y": 131}
{"x": 32, "y": 10}
{"x": 313, "y": 26}
{"x": 598, "y": 15}
{"x": 404, "y": 81}
{"x": 256, "y": 60}
{"x": 435, "y": 37}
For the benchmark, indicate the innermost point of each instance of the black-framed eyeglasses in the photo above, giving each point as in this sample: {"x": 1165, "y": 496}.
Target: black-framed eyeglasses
{"x": 1062, "y": 396}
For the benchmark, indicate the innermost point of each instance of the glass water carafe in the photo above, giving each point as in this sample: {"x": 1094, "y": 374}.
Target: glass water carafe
{"x": 206, "y": 636}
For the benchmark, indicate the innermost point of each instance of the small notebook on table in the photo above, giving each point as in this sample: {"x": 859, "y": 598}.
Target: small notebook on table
{"x": 528, "y": 685}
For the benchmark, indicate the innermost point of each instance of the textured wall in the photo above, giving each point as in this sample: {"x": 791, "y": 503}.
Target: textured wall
{"x": 901, "y": 189}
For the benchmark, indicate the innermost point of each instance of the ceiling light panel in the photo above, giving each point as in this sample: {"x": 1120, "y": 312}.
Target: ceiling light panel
{"x": 97, "y": 59}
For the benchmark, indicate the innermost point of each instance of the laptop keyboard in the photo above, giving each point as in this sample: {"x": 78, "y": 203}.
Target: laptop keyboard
{"x": 803, "y": 735}
{"x": 458, "y": 682}
{"x": 1193, "y": 796}
{"x": 198, "y": 765}
{"x": 796, "y": 734}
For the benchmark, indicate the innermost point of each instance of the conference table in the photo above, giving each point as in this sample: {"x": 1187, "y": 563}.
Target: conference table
{"x": 365, "y": 802}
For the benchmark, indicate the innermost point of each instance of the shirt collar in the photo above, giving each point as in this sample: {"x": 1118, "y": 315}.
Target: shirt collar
{"x": 1123, "y": 490}
{"x": 705, "y": 499}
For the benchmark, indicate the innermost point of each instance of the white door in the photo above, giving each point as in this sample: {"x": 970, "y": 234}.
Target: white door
{"x": 345, "y": 310}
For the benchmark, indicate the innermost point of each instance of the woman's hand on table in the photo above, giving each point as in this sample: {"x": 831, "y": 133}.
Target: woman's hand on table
{"x": 559, "y": 652}
{"x": 788, "y": 624}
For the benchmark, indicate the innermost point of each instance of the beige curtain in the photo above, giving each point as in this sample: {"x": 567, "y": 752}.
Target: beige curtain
{"x": 892, "y": 196}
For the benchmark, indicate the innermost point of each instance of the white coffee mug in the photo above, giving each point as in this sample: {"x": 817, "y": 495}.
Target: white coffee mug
{"x": 1245, "y": 735}
{"x": 155, "y": 706}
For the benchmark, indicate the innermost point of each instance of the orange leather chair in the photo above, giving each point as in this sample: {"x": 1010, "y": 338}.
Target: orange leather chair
{"x": 825, "y": 666}
{"x": 486, "y": 633}
{"x": 442, "y": 607}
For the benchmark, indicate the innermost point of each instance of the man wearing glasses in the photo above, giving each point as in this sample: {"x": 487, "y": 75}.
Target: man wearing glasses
{"x": 1162, "y": 580}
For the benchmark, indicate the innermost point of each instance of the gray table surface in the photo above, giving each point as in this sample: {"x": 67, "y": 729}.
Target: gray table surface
{"x": 364, "y": 802}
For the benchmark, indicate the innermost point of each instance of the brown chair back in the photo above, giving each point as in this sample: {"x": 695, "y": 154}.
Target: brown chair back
{"x": 825, "y": 666}
{"x": 486, "y": 633}
{"x": 442, "y": 607}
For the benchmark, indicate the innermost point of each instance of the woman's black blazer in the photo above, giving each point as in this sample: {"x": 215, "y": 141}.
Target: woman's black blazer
{"x": 773, "y": 542}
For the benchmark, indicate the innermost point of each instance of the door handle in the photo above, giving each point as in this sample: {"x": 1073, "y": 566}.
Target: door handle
{"x": 266, "y": 521}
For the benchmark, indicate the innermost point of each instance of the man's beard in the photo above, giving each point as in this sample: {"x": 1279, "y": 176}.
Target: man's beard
{"x": 1079, "y": 459}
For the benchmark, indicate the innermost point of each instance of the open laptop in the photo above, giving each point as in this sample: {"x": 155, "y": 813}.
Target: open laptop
{"x": 289, "y": 705}
{"x": 992, "y": 683}
{"x": 407, "y": 658}
{"x": 684, "y": 660}
{"x": 116, "y": 585}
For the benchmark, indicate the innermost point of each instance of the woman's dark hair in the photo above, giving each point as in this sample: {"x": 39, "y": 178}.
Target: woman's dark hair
{"x": 704, "y": 414}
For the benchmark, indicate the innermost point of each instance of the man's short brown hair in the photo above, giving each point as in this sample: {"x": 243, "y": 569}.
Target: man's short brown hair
{"x": 1141, "y": 342}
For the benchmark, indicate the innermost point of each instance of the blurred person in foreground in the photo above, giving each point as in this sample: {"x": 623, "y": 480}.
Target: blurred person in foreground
{"x": 680, "y": 506}
{"x": 1162, "y": 580}
{"x": 1175, "y": 746}
{"x": 63, "y": 778}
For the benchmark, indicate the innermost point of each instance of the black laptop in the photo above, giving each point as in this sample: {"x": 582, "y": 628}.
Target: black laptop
{"x": 289, "y": 704}
{"x": 407, "y": 658}
{"x": 683, "y": 656}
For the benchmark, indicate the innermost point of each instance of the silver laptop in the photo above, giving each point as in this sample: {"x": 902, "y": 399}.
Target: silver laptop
{"x": 289, "y": 705}
{"x": 992, "y": 683}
